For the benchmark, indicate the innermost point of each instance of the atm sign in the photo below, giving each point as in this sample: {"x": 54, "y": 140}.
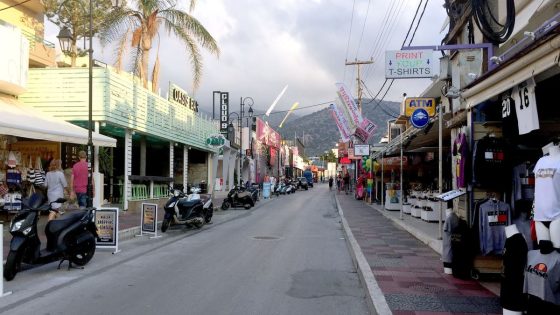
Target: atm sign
{"x": 413, "y": 103}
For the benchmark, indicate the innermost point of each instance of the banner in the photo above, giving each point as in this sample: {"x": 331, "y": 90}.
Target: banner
{"x": 107, "y": 223}
{"x": 338, "y": 119}
{"x": 266, "y": 135}
{"x": 361, "y": 128}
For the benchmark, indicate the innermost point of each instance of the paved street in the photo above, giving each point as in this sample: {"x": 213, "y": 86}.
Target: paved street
{"x": 288, "y": 256}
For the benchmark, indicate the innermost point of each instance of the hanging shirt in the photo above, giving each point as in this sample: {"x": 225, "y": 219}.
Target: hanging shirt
{"x": 526, "y": 106}
{"x": 494, "y": 217}
{"x": 489, "y": 163}
{"x": 510, "y": 127}
{"x": 547, "y": 188}
{"x": 460, "y": 152}
{"x": 542, "y": 276}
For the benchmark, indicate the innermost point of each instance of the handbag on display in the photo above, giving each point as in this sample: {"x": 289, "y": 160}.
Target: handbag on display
{"x": 3, "y": 190}
{"x": 13, "y": 177}
{"x": 2, "y": 176}
{"x": 16, "y": 201}
{"x": 39, "y": 175}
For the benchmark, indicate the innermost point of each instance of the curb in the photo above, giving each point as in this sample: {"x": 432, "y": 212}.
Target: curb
{"x": 434, "y": 244}
{"x": 374, "y": 296}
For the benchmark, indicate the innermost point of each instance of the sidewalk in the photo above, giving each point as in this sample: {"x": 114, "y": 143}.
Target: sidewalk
{"x": 402, "y": 274}
{"x": 129, "y": 222}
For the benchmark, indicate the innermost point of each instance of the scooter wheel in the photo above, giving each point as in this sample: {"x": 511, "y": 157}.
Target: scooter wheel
{"x": 13, "y": 265}
{"x": 84, "y": 253}
{"x": 165, "y": 224}
{"x": 225, "y": 205}
{"x": 247, "y": 206}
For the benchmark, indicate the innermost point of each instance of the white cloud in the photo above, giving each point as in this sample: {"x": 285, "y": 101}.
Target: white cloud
{"x": 302, "y": 43}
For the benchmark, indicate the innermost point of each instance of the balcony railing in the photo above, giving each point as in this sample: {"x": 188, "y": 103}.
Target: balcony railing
{"x": 33, "y": 39}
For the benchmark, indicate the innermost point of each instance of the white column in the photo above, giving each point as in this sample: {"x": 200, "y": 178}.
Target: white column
{"x": 143, "y": 156}
{"x": 127, "y": 189}
{"x": 185, "y": 168}
{"x": 225, "y": 168}
{"x": 97, "y": 178}
{"x": 232, "y": 164}
{"x": 171, "y": 156}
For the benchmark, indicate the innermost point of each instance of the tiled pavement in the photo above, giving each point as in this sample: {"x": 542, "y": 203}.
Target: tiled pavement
{"x": 408, "y": 272}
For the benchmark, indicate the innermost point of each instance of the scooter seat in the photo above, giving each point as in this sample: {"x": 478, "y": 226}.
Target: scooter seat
{"x": 57, "y": 225}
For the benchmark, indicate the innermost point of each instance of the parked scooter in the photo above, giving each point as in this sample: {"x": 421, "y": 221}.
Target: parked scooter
{"x": 191, "y": 210}
{"x": 71, "y": 237}
{"x": 238, "y": 198}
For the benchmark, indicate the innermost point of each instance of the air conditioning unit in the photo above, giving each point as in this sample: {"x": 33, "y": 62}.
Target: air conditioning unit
{"x": 466, "y": 67}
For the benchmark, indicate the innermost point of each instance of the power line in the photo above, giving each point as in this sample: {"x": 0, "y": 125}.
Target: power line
{"x": 419, "y": 19}
{"x": 363, "y": 29}
{"x": 349, "y": 36}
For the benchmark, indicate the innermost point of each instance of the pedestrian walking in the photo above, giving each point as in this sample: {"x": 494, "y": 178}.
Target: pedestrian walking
{"x": 79, "y": 181}
{"x": 346, "y": 182}
{"x": 56, "y": 185}
{"x": 330, "y": 183}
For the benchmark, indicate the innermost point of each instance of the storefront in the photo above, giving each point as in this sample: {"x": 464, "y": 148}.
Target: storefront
{"x": 160, "y": 141}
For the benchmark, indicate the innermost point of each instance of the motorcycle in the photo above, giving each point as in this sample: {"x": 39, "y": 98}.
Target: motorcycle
{"x": 71, "y": 237}
{"x": 190, "y": 210}
{"x": 238, "y": 198}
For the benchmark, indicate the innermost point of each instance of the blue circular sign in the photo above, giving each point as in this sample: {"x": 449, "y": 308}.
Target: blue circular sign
{"x": 420, "y": 118}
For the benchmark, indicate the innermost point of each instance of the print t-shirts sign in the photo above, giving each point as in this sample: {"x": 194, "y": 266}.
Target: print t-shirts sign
{"x": 526, "y": 106}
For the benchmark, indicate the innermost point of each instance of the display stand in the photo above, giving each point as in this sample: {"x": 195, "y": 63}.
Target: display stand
{"x": 392, "y": 198}
{"x": 107, "y": 223}
{"x": 2, "y": 293}
{"x": 148, "y": 223}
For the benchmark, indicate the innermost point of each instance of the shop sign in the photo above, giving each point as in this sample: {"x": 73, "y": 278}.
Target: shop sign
{"x": 224, "y": 112}
{"x": 345, "y": 160}
{"x": 266, "y": 135}
{"x": 179, "y": 96}
{"x": 107, "y": 223}
{"x": 216, "y": 141}
{"x": 413, "y": 103}
{"x": 404, "y": 64}
{"x": 420, "y": 118}
{"x": 395, "y": 161}
{"x": 361, "y": 149}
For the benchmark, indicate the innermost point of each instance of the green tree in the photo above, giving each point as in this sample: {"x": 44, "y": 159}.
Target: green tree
{"x": 139, "y": 26}
{"x": 74, "y": 15}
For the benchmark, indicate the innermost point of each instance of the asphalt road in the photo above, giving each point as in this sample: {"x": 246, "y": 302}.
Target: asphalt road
{"x": 288, "y": 256}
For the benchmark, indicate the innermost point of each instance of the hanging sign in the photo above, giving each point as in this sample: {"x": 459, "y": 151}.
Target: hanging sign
{"x": 224, "y": 112}
{"x": 452, "y": 194}
{"x": 404, "y": 64}
{"x": 419, "y": 118}
{"x": 148, "y": 223}
{"x": 413, "y": 103}
{"x": 361, "y": 149}
{"x": 266, "y": 135}
{"x": 216, "y": 141}
{"x": 107, "y": 223}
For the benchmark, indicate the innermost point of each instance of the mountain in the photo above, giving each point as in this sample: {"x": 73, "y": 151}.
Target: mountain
{"x": 321, "y": 133}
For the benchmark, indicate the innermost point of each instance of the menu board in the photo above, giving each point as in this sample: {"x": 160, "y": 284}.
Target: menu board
{"x": 149, "y": 218}
{"x": 107, "y": 222}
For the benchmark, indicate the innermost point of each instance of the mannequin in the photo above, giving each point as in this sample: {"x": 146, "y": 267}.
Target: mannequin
{"x": 451, "y": 223}
{"x": 514, "y": 261}
{"x": 547, "y": 178}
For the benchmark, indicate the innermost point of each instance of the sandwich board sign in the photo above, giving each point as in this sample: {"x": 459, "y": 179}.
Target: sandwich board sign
{"x": 148, "y": 223}
{"x": 107, "y": 223}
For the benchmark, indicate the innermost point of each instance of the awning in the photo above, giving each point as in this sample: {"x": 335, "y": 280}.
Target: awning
{"x": 533, "y": 63}
{"x": 17, "y": 119}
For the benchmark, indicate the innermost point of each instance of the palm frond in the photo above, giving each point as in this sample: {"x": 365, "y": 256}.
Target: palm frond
{"x": 121, "y": 51}
{"x": 155, "y": 75}
{"x": 192, "y": 27}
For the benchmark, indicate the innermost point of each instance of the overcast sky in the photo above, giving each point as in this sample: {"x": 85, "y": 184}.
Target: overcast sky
{"x": 266, "y": 45}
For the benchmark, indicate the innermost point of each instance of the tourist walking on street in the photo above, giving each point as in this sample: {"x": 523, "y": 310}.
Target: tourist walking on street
{"x": 330, "y": 183}
{"x": 346, "y": 182}
{"x": 56, "y": 184}
{"x": 80, "y": 180}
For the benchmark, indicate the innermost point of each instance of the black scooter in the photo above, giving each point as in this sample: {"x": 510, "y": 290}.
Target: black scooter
{"x": 191, "y": 210}
{"x": 72, "y": 238}
{"x": 238, "y": 198}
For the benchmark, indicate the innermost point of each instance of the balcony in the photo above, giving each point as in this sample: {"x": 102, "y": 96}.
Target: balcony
{"x": 41, "y": 52}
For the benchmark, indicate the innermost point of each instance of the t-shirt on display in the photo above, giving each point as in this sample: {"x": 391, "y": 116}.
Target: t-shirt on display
{"x": 547, "y": 188}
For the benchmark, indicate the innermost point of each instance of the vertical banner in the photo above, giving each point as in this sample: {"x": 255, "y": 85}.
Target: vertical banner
{"x": 224, "y": 112}
{"x": 107, "y": 223}
{"x": 341, "y": 122}
{"x": 361, "y": 128}
{"x": 148, "y": 224}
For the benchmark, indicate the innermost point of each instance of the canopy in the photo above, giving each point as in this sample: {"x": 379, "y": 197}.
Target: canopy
{"x": 17, "y": 119}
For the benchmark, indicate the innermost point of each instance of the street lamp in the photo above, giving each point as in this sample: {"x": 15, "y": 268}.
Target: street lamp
{"x": 64, "y": 38}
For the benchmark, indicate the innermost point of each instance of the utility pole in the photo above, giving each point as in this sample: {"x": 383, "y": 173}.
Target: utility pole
{"x": 358, "y": 63}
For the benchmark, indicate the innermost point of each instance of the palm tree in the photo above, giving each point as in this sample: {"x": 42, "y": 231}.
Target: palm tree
{"x": 140, "y": 26}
